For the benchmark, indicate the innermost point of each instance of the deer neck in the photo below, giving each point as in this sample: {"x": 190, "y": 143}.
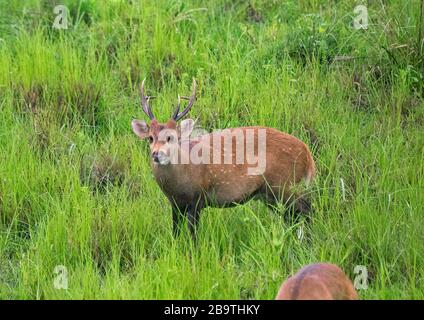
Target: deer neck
{"x": 170, "y": 173}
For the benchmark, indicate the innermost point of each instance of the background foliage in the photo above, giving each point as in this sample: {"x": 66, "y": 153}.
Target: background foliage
{"x": 76, "y": 187}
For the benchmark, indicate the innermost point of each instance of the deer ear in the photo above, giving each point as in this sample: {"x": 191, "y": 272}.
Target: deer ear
{"x": 186, "y": 127}
{"x": 140, "y": 128}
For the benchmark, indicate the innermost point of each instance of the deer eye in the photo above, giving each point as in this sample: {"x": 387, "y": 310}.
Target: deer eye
{"x": 151, "y": 139}
{"x": 168, "y": 138}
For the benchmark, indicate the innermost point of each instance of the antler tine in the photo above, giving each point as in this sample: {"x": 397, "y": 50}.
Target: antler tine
{"x": 178, "y": 116}
{"x": 177, "y": 109}
{"x": 145, "y": 102}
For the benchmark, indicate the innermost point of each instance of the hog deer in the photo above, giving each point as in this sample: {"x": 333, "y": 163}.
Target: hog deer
{"x": 224, "y": 176}
{"x": 320, "y": 281}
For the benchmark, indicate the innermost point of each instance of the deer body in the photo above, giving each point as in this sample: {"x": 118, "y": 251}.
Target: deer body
{"x": 210, "y": 170}
{"x": 220, "y": 185}
{"x": 320, "y": 281}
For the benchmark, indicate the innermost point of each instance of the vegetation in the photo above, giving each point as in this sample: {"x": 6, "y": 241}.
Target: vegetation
{"x": 76, "y": 187}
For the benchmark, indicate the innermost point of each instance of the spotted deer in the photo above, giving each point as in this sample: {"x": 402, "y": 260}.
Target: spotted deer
{"x": 320, "y": 281}
{"x": 215, "y": 169}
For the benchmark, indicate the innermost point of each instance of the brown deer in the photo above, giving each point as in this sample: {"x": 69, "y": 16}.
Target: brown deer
{"x": 224, "y": 175}
{"x": 320, "y": 281}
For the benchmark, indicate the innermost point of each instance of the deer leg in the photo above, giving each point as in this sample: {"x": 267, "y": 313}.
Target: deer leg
{"x": 302, "y": 205}
{"x": 298, "y": 207}
{"x": 193, "y": 218}
{"x": 177, "y": 218}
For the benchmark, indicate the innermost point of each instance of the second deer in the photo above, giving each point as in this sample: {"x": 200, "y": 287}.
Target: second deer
{"x": 319, "y": 281}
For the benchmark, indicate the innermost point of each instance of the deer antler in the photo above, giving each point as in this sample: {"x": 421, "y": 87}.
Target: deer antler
{"x": 177, "y": 115}
{"x": 145, "y": 102}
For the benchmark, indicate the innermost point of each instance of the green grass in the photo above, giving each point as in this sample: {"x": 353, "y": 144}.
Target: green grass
{"x": 76, "y": 187}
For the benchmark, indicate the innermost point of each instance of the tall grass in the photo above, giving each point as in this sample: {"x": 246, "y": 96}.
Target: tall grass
{"x": 76, "y": 187}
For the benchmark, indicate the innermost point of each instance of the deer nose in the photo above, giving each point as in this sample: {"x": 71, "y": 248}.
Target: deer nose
{"x": 155, "y": 156}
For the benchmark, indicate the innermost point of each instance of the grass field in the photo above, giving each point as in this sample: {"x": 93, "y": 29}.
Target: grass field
{"x": 76, "y": 188}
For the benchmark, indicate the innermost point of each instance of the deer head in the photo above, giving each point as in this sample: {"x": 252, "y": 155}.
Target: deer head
{"x": 164, "y": 138}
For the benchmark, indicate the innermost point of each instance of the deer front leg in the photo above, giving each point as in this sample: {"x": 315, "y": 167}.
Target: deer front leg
{"x": 193, "y": 220}
{"x": 177, "y": 218}
{"x": 190, "y": 211}
{"x": 193, "y": 215}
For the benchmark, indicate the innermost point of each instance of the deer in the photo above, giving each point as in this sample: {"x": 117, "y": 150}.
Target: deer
{"x": 319, "y": 281}
{"x": 224, "y": 175}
